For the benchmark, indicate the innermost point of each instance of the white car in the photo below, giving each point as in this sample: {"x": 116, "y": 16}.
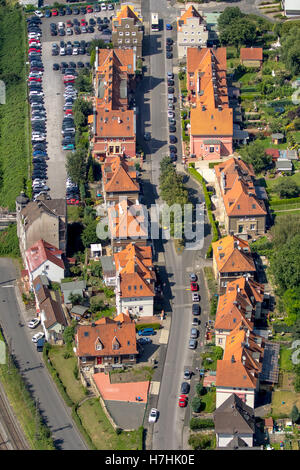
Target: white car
{"x": 37, "y": 336}
{"x": 34, "y": 323}
{"x": 195, "y": 297}
{"x": 39, "y": 13}
{"x": 153, "y": 415}
{"x": 110, "y": 7}
{"x": 171, "y": 114}
{"x": 69, "y": 32}
{"x": 103, "y": 7}
{"x": 62, "y": 51}
{"x": 75, "y": 51}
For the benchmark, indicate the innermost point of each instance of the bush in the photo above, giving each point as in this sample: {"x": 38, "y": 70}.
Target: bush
{"x": 199, "y": 389}
{"x": 196, "y": 404}
{"x": 198, "y": 423}
{"x": 155, "y": 326}
{"x": 201, "y": 442}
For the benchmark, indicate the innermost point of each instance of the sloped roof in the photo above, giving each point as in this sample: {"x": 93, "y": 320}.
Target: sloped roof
{"x": 191, "y": 12}
{"x": 232, "y": 254}
{"x": 87, "y": 336}
{"x": 53, "y": 313}
{"x": 120, "y": 180}
{"x": 41, "y": 291}
{"x": 127, "y": 220}
{"x": 212, "y": 116}
{"x": 241, "y": 200}
{"x": 251, "y": 53}
{"x": 35, "y": 209}
{"x": 41, "y": 252}
{"x": 234, "y": 417}
{"x": 134, "y": 285}
{"x": 123, "y": 318}
{"x": 127, "y": 11}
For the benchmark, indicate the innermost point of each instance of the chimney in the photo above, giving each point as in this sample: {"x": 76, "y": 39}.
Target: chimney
{"x": 243, "y": 360}
{"x": 93, "y": 325}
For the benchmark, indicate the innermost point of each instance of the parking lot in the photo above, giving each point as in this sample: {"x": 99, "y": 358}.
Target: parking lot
{"x": 53, "y": 88}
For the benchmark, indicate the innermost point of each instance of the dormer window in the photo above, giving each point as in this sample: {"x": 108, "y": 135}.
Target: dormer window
{"x": 98, "y": 345}
{"x": 115, "y": 344}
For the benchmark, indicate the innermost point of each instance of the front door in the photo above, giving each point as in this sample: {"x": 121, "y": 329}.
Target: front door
{"x": 99, "y": 360}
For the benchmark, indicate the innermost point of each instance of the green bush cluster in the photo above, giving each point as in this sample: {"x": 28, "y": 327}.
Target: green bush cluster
{"x": 155, "y": 326}
{"x": 198, "y": 423}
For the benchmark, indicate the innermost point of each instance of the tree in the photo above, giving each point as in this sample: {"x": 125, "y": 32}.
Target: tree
{"x": 96, "y": 305}
{"x": 91, "y": 173}
{"x": 75, "y": 299}
{"x": 199, "y": 389}
{"x": 285, "y": 264}
{"x": 89, "y": 234}
{"x": 291, "y": 302}
{"x": 286, "y": 188}
{"x": 83, "y": 81}
{"x": 69, "y": 333}
{"x": 229, "y": 15}
{"x": 254, "y": 154}
{"x": 76, "y": 165}
{"x": 295, "y": 415}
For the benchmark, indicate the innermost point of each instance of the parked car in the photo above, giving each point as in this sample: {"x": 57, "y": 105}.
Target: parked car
{"x": 34, "y": 323}
{"x": 182, "y": 402}
{"x": 195, "y": 309}
{"x": 145, "y": 340}
{"x": 185, "y": 388}
{"x": 194, "y": 333}
{"x": 187, "y": 374}
{"x": 194, "y": 287}
{"x": 37, "y": 336}
{"x": 193, "y": 277}
{"x": 193, "y": 344}
{"x": 153, "y": 415}
{"x": 195, "y": 297}
{"x": 146, "y": 332}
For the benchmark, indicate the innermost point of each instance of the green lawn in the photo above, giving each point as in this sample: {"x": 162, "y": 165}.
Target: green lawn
{"x": 208, "y": 401}
{"x": 74, "y": 214}
{"x": 101, "y": 431}
{"x": 65, "y": 368}
{"x": 283, "y": 401}
{"x": 285, "y": 359}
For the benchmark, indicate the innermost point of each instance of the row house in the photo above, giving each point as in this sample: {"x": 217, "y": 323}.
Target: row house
{"x": 135, "y": 280}
{"x": 44, "y": 258}
{"x": 113, "y": 123}
{"x": 119, "y": 179}
{"x": 127, "y": 30}
{"x": 104, "y": 343}
{"x": 127, "y": 222}
{"x": 242, "y": 210}
{"x": 49, "y": 309}
{"x": 42, "y": 219}
{"x": 232, "y": 259}
{"x": 211, "y": 118}
{"x": 239, "y": 370}
{"x": 241, "y": 304}
{"x": 191, "y": 30}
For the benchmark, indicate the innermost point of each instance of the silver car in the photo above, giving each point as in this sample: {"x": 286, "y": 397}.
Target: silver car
{"x": 194, "y": 333}
{"x": 193, "y": 343}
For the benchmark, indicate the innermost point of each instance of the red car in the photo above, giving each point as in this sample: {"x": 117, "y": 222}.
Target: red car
{"x": 182, "y": 402}
{"x": 68, "y": 112}
{"x": 69, "y": 24}
{"x": 89, "y": 9}
{"x": 34, "y": 49}
{"x": 83, "y": 22}
{"x": 54, "y": 12}
{"x": 194, "y": 287}
{"x": 72, "y": 202}
{"x": 36, "y": 41}
{"x": 34, "y": 79}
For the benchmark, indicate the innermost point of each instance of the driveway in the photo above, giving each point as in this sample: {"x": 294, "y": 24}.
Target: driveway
{"x": 53, "y": 88}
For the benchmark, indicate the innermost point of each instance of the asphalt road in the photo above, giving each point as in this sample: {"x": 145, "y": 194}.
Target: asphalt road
{"x": 53, "y": 409}
{"x": 167, "y": 432}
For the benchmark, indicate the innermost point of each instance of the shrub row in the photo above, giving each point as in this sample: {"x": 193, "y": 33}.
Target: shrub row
{"x": 283, "y": 202}
{"x": 282, "y": 327}
{"x": 155, "y": 326}
{"x": 198, "y": 423}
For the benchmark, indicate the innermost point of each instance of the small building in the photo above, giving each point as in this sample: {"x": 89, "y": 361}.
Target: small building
{"x": 52, "y": 318}
{"x": 108, "y": 270}
{"x": 74, "y": 287}
{"x": 96, "y": 251}
{"x": 277, "y": 138}
{"x": 291, "y": 8}
{"x": 44, "y": 258}
{"x": 290, "y": 154}
{"x": 274, "y": 153}
{"x": 269, "y": 425}
{"x": 284, "y": 165}
{"x": 78, "y": 312}
{"x": 251, "y": 56}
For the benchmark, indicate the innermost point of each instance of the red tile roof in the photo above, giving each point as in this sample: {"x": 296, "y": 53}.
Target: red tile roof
{"x": 118, "y": 176}
{"x": 232, "y": 254}
{"x": 41, "y": 252}
{"x": 251, "y": 53}
{"x": 126, "y": 11}
{"x": 110, "y": 338}
{"x": 191, "y": 12}
{"x": 127, "y": 220}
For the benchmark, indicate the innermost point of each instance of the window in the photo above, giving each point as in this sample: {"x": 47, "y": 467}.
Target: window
{"x": 127, "y": 41}
{"x": 83, "y": 360}
{"x": 241, "y": 228}
{"x": 220, "y": 341}
{"x": 127, "y": 33}
{"x": 252, "y": 227}
{"x": 192, "y": 40}
{"x": 120, "y": 41}
{"x": 121, "y": 33}
{"x": 131, "y": 357}
{"x": 126, "y": 25}
{"x": 135, "y": 41}
{"x": 47, "y": 266}
{"x": 211, "y": 149}
{"x": 133, "y": 33}
{"x": 98, "y": 347}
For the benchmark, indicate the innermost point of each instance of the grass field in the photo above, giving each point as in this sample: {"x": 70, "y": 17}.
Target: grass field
{"x": 14, "y": 133}
{"x": 208, "y": 401}
{"x": 101, "y": 431}
{"x": 65, "y": 368}
{"x": 283, "y": 401}
{"x": 285, "y": 359}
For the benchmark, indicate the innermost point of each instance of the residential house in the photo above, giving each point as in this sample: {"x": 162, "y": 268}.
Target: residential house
{"x": 238, "y": 372}
{"x": 242, "y": 210}
{"x": 114, "y": 124}
{"x": 135, "y": 280}
{"x": 44, "y": 258}
{"x": 46, "y": 220}
{"x": 291, "y": 8}
{"x": 41, "y": 288}
{"x": 105, "y": 343}
{"x": 52, "y": 319}
{"x": 127, "y": 222}
{"x": 234, "y": 424}
{"x": 274, "y": 153}
{"x": 78, "y": 312}
{"x": 232, "y": 259}
{"x": 211, "y": 118}
{"x": 191, "y": 30}
{"x": 73, "y": 287}
{"x": 251, "y": 56}
{"x": 241, "y": 304}
{"x": 127, "y": 30}
{"x": 119, "y": 179}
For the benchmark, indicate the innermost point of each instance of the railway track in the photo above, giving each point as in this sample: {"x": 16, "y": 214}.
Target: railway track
{"x": 11, "y": 436}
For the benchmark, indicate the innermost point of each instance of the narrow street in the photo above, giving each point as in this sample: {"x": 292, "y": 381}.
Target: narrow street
{"x": 152, "y": 104}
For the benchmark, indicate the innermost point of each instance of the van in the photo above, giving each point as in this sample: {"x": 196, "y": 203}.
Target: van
{"x": 146, "y": 332}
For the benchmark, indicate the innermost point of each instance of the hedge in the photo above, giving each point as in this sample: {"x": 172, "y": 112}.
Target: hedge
{"x": 211, "y": 219}
{"x": 283, "y": 202}
{"x": 155, "y": 326}
{"x": 282, "y": 327}
{"x": 198, "y": 423}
